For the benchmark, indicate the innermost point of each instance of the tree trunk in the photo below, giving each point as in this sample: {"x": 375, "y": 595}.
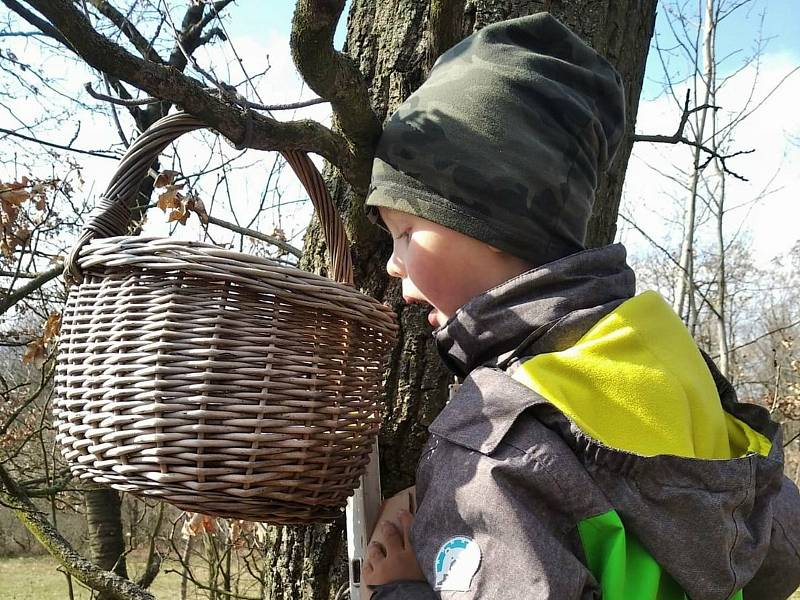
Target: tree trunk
{"x": 394, "y": 42}
{"x": 104, "y": 520}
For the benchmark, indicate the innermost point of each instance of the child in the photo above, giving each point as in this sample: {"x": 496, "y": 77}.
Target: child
{"x": 591, "y": 450}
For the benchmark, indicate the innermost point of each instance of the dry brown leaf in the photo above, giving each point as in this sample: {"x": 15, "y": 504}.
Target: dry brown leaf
{"x": 51, "y": 327}
{"x": 39, "y": 194}
{"x": 15, "y": 196}
{"x": 34, "y": 353}
{"x": 21, "y": 236}
{"x": 165, "y": 178}
{"x": 197, "y": 523}
{"x": 179, "y": 215}
{"x": 196, "y": 204}
{"x": 170, "y": 198}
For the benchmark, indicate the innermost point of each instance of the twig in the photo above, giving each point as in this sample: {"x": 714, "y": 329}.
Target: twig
{"x": 666, "y": 252}
{"x": 213, "y": 589}
{"x": 59, "y": 146}
{"x": 761, "y": 337}
{"x": 114, "y": 114}
{"x": 775, "y": 396}
{"x": 256, "y": 234}
{"x": 236, "y": 99}
{"x": 177, "y": 88}
{"x": 38, "y": 22}
{"x": 679, "y": 138}
{"x": 119, "y": 101}
{"x": 128, "y": 29}
{"x": 4, "y": 273}
{"x": 270, "y": 107}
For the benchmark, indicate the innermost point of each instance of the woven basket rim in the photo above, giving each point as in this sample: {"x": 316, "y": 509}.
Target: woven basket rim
{"x": 249, "y": 271}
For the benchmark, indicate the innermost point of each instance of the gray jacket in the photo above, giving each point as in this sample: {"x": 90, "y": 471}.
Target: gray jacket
{"x": 516, "y": 501}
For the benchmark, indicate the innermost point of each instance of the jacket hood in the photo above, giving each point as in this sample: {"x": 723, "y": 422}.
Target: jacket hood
{"x": 545, "y": 309}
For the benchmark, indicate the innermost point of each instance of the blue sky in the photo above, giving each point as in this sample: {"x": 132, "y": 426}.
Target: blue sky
{"x": 781, "y": 23}
{"x": 736, "y": 38}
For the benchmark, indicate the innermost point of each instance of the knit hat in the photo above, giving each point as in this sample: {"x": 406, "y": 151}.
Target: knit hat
{"x": 505, "y": 140}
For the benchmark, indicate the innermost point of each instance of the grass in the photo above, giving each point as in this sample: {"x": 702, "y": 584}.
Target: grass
{"x": 37, "y": 578}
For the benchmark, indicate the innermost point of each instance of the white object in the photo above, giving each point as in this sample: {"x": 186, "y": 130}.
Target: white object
{"x": 362, "y": 512}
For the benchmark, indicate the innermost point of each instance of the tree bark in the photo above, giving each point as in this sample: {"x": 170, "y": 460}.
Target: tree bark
{"x": 104, "y": 520}
{"x": 394, "y": 43}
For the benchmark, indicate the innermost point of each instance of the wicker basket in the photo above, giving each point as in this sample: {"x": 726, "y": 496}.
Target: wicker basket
{"x": 220, "y": 382}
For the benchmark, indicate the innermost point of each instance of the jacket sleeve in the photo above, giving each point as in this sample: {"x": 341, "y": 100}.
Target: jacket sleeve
{"x": 489, "y": 527}
{"x": 779, "y": 574}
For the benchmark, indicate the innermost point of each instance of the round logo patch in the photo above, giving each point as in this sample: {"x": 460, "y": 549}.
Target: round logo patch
{"x": 457, "y": 561}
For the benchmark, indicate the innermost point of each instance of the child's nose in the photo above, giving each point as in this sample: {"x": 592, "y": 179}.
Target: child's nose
{"x": 394, "y": 267}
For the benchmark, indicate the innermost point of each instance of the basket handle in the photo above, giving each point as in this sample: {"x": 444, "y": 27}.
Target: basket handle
{"x": 112, "y": 214}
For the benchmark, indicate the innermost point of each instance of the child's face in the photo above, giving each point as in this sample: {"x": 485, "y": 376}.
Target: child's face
{"x": 442, "y": 267}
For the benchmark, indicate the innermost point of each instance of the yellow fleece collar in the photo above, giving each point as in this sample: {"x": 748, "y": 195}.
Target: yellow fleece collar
{"x": 637, "y": 382}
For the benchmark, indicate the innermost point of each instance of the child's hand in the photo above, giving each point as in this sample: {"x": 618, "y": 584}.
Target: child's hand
{"x": 390, "y": 556}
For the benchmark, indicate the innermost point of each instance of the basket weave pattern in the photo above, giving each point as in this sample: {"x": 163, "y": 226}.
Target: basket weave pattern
{"x": 217, "y": 381}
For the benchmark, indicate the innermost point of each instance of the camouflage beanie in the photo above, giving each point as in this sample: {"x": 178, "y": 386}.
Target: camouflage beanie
{"x": 505, "y": 140}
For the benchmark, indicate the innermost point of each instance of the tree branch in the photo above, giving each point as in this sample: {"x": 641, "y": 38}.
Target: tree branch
{"x": 679, "y": 138}
{"x": 126, "y": 27}
{"x": 258, "y": 131}
{"x": 34, "y": 284}
{"x": 190, "y": 37}
{"x": 335, "y": 77}
{"x": 761, "y": 337}
{"x": 42, "y": 25}
{"x": 113, "y": 585}
{"x": 241, "y": 102}
{"x": 119, "y": 101}
{"x": 667, "y": 253}
{"x": 59, "y": 146}
{"x": 286, "y": 247}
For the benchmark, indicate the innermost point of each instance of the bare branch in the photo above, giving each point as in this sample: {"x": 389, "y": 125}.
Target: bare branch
{"x": 59, "y": 146}
{"x": 290, "y": 106}
{"x": 115, "y": 116}
{"x": 36, "y": 522}
{"x": 761, "y": 337}
{"x": 238, "y": 100}
{"x": 42, "y": 25}
{"x": 260, "y": 132}
{"x": 679, "y": 138}
{"x": 126, "y": 27}
{"x": 34, "y": 284}
{"x": 668, "y": 254}
{"x": 4, "y": 273}
{"x": 257, "y": 235}
{"x": 6, "y": 34}
{"x": 118, "y": 101}
{"x": 334, "y": 75}
{"x": 190, "y": 37}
